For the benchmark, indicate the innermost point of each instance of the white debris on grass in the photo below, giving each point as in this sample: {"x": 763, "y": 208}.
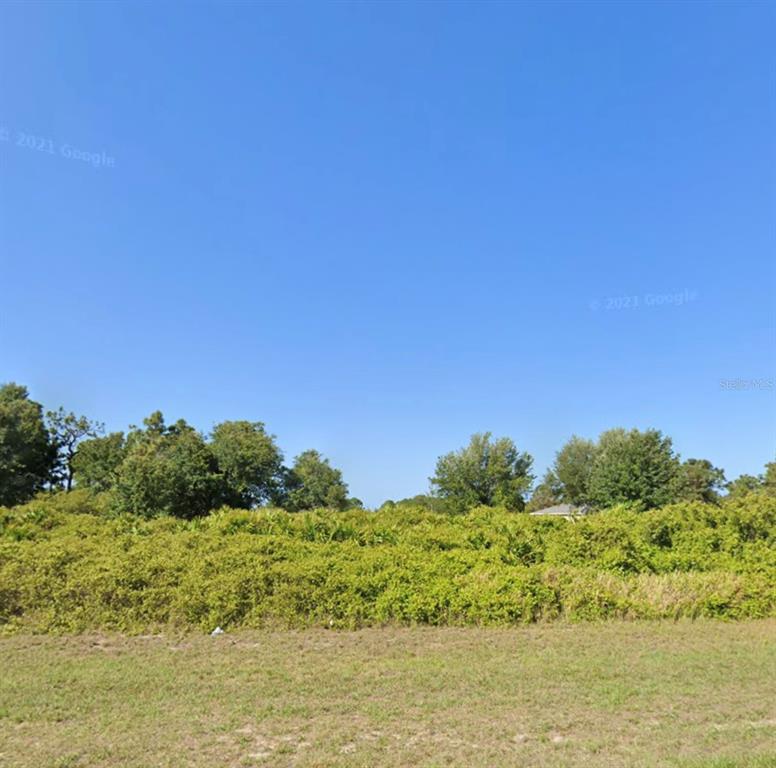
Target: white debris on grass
{"x": 217, "y": 631}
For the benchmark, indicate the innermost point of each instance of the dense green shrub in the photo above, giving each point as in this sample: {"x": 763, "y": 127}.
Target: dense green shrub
{"x": 67, "y": 563}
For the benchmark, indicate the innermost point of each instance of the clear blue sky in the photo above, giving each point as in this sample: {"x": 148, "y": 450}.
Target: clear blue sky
{"x": 379, "y": 228}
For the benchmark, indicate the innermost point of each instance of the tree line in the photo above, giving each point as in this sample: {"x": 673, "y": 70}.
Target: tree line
{"x": 157, "y": 468}
{"x": 173, "y": 469}
{"x": 632, "y": 467}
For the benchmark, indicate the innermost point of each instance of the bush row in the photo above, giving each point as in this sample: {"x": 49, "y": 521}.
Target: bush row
{"x": 66, "y": 566}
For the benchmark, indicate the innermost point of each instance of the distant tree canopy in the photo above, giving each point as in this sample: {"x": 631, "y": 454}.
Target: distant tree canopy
{"x": 634, "y": 466}
{"x": 67, "y": 431}
{"x": 489, "y": 472}
{"x": 157, "y": 468}
{"x": 769, "y": 478}
{"x": 700, "y": 480}
{"x": 312, "y": 482}
{"x": 765, "y": 483}
{"x": 27, "y": 454}
{"x": 626, "y": 467}
{"x": 744, "y": 484}
{"x": 168, "y": 470}
{"x": 173, "y": 469}
{"x": 431, "y": 503}
{"x": 251, "y": 462}
{"x": 568, "y": 480}
{"x": 543, "y": 496}
{"x": 97, "y": 460}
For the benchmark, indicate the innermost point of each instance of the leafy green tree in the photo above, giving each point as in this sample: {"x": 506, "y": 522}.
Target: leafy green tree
{"x": 700, "y": 480}
{"x": 249, "y": 460}
{"x": 27, "y": 455}
{"x": 769, "y": 479}
{"x": 490, "y": 472}
{"x": 763, "y": 483}
{"x": 544, "y": 495}
{"x": 312, "y": 482}
{"x": 431, "y": 503}
{"x": 168, "y": 470}
{"x": 570, "y": 474}
{"x": 96, "y": 461}
{"x": 633, "y": 466}
{"x": 743, "y": 485}
{"x": 67, "y": 431}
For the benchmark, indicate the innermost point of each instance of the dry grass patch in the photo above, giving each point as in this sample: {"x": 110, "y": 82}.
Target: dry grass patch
{"x": 616, "y": 694}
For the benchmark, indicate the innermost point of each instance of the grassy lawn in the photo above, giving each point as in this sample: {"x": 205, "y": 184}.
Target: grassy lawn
{"x": 619, "y": 694}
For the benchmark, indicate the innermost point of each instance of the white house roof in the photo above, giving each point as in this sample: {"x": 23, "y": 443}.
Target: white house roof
{"x": 561, "y": 510}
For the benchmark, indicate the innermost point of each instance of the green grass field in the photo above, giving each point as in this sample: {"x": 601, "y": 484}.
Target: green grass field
{"x": 614, "y": 694}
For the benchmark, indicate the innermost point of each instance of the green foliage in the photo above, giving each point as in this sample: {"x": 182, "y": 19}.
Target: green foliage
{"x": 769, "y": 478}
{"x": 490, "y": 472}
{"x": 172, "y": 470}
{"x": 569, "y": 477}
{"x": 765, "y": 483}
{"x": 700, "y": 480}
{"x": 249, "y": 460}
{"x": 634, "y": 467}
{"x": 96, "y": 461}
{"x": 744, "y": 484}
{"x": 637, "y": 468}
{"x": 69, "y": 563}
{"x": 67, "y": 431}
{"x": 167, "y": 471}
{"x": 431, "y": 503}
{"x": 312, "y": 482}
{"x": 27, "y": 455}
{"x": 543, "y": 496}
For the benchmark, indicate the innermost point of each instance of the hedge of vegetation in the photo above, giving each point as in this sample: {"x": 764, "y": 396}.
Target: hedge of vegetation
{"x": 65, "y": 566}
